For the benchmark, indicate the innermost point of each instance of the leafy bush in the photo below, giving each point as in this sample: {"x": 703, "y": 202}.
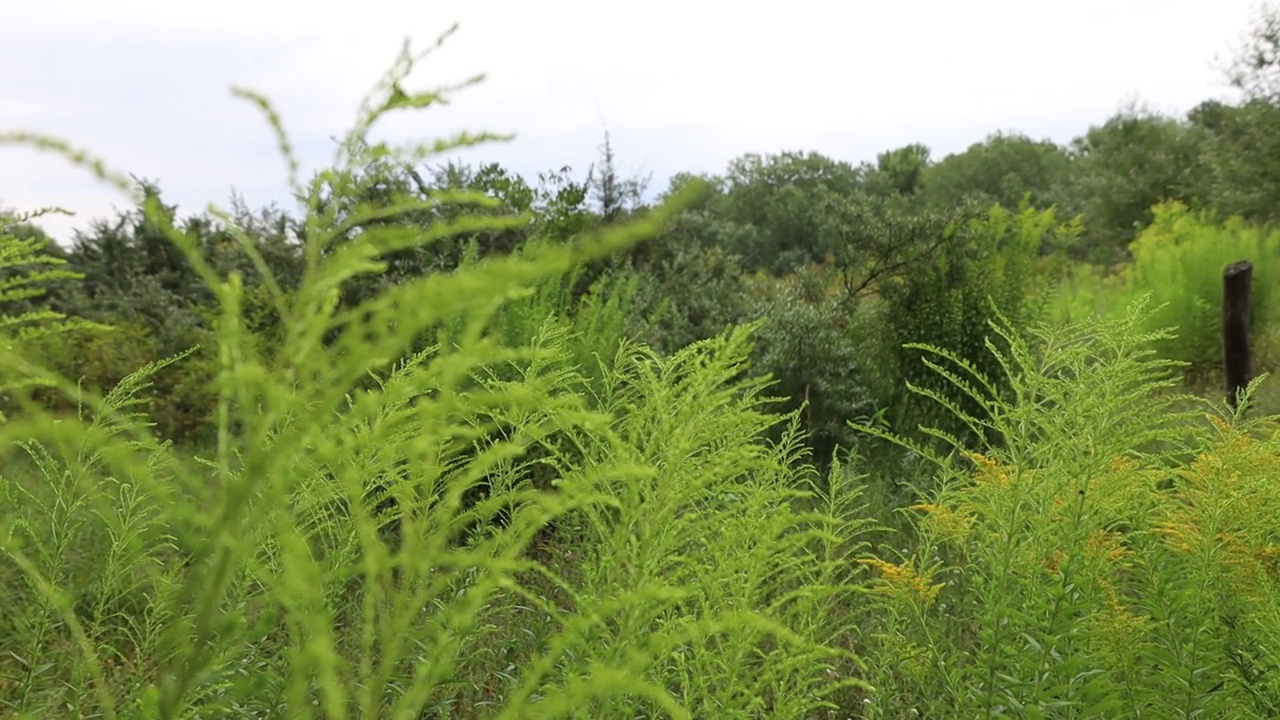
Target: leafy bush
{"x": 182, "y": 401}
{"x": 991, "y": 264}
{"x": 689, "y": 294}
{"x": 813, "y": 345}
{"x": 1123, "y": 167}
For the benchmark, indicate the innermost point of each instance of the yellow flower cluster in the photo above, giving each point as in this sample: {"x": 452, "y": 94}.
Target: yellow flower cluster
{"x": 1056, "y": 558}
{"x": 1121, "y": 464}
{"x": 1179, "y": 534}
{"x": 1104, "y": 549}
{"x": 903, "y": 581}
{"x": 1236, "y": 438}
{"x": 947, "y": 523}
{"x": 989, "y": 471}
{"x": 1114, "y": 628}
{"x": 1107, "y": 547}
{"x": 1268, "y": 556}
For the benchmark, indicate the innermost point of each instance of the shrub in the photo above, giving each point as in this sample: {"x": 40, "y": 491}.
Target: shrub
{"x": 182, "y": 400}
{"x": 813, "y": 344}
{"x": 993, "y": 264}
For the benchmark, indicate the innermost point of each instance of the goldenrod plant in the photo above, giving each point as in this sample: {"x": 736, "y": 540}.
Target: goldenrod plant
{"x": 1111, "y": 555}
{"x": 366, "y": 538}
{"x": 1178, "y": 260}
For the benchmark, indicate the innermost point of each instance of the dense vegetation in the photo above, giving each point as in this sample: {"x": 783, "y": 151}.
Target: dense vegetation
{"x": 911, "y": 438}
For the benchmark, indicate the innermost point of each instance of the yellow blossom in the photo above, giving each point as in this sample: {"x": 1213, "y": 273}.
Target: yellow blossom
{"x": 1268, "y": 555}
{"x": 947, "y": 523}
{"x": 989, "y": 471}
{"x": 1233, "y": 438}
{"x": 1107, "y": 546}
{"x": 1115, "y": 629}
{"x": 903, "y": 581}
{"x": 1223, "y": 427}
{"x": 1121, "y": 464}
{"x": 1055, "y": 561}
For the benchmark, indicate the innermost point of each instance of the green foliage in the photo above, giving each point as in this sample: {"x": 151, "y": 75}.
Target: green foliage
{"x": 1178, "y": 262}
{"x": 879, "y": 240}
{"x": 988, "y": 265}
{"x": 1003, "y": 169}
{"x": 595, "y": 323}
{"x": 812, "y": 344}
{"x": 615, "y": 195}
{"x": 28, "y": 265}
{"x": 132, "y": 280}
{"x": 363, "y": 542}
{"x": 27, "y": 268}
{"x": 689, "y": 294}
{"x": 900, "y": 171}
{"x": 781, "y": 198}
{"x": 1127, "y": 165}
{"x": 1085, "y": 564}
{"x": 1240, "y": 146}
{"x": 1239, "y": 152}
{"x": 740, "y": 603}
{"x": 1254, "y": 67}
{"x": 463, "y": 446}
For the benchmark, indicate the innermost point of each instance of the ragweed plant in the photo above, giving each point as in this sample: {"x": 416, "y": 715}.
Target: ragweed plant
{"x": 1212, "y": 584}
{"x": 745, "y": 616}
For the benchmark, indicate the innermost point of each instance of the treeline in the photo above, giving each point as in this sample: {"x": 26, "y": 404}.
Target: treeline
{"x": 846, "y": 262}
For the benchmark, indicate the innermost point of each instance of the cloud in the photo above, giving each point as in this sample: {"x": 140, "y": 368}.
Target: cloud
{"x": 680, "y": 85}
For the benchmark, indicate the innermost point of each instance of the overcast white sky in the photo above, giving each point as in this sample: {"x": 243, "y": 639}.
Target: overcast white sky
{"x": 680, "y": 84}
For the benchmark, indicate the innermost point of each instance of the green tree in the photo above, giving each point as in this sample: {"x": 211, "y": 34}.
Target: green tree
{"x": 1242, "y": 141}
{"x": 615, "y": 196}
{"x": 782, "y": 197}
{"x": 900, "y": 171}
{"x": 877, "y": 238}
{"x": 690, "y": 283}
{"x": 989, "y": 263}
{"x": 1126, "y": 166}
{"x": 1002, "y": 170}
{"x": 1254, "y": 66}
{"x": 134, "y": 272}
{"x": 1241, "y": 158}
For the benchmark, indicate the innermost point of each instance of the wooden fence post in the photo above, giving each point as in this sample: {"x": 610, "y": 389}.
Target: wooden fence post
{"x": 1237, "y": 281}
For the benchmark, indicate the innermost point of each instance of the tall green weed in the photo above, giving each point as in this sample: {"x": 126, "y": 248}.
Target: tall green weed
{"x": 1112, "y": 556}
{"x": 27, "y": 269}
{"x": 365, "y": 540}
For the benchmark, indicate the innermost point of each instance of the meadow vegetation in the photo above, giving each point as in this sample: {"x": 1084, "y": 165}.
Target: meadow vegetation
{"x": 808, "y": 439}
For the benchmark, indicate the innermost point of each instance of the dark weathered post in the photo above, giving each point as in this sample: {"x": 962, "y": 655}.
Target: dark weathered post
{"x": 1237, "y": 281}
